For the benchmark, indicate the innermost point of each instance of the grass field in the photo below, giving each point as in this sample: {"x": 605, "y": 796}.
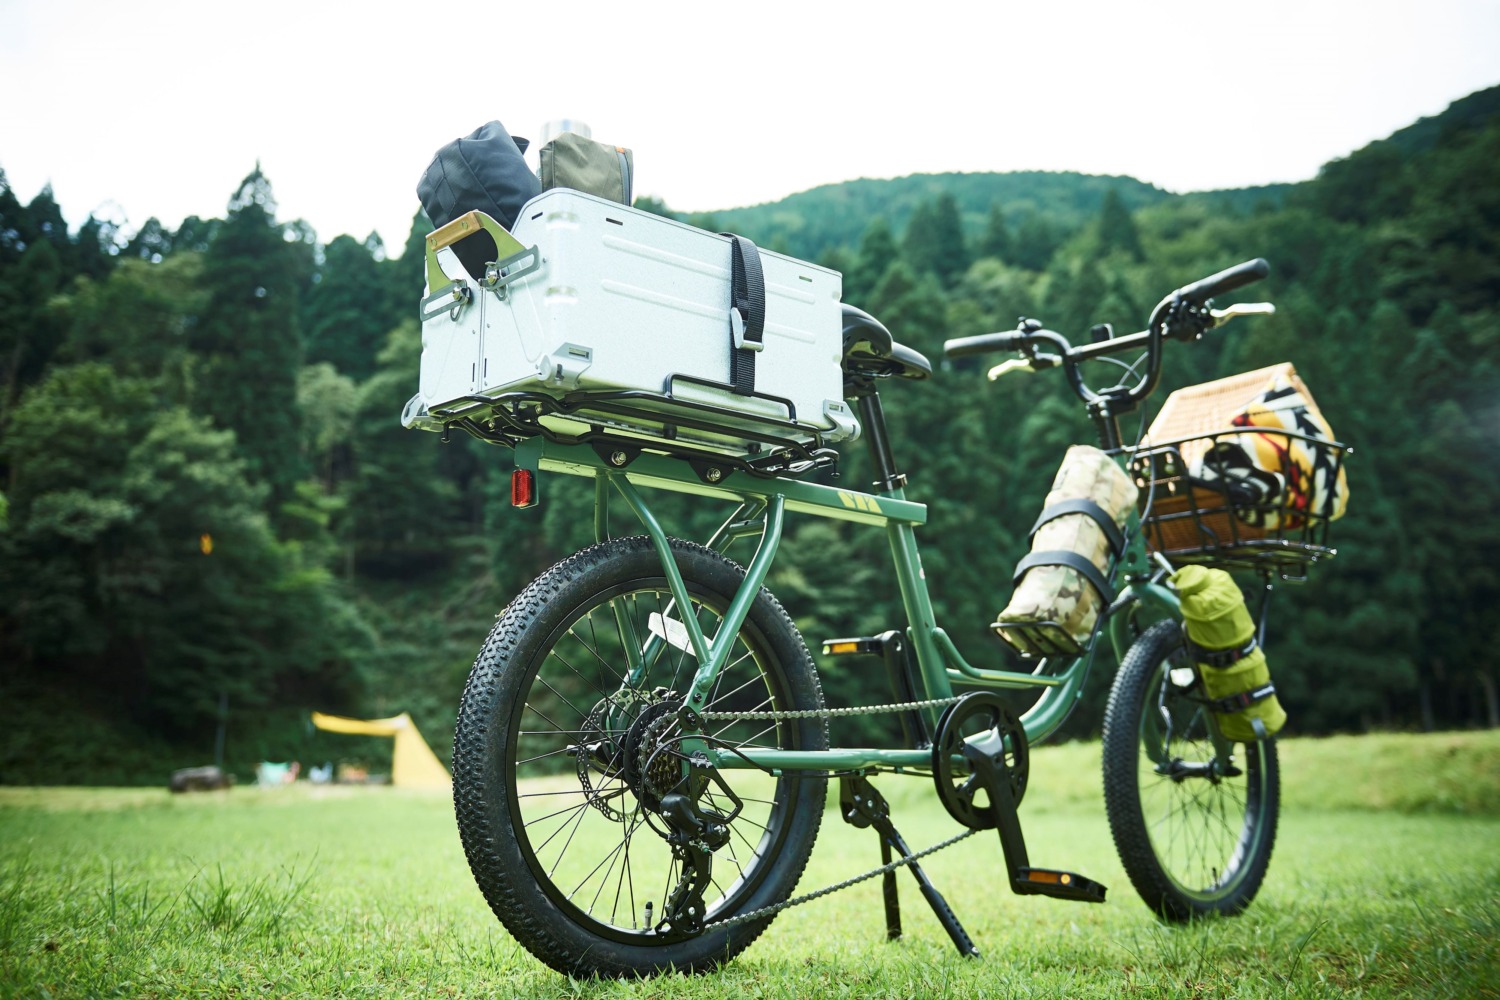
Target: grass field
{"x": 1385, "y": 882}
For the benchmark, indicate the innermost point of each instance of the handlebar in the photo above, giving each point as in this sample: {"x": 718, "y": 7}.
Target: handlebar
{"x": 1182, "y": 315}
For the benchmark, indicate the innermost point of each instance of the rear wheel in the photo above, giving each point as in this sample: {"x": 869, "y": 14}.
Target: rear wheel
{"x": 1194, "y": 830}
{"x": 562, "y": 760}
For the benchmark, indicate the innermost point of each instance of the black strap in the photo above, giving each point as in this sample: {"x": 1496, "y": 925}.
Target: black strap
{"x": 1087, "y": 507}
{"x": 1221, "y": 658}
{"x": 748, "y": 311}
{"x": 1073, "y": 561}
{"x": 1243, "y": 700}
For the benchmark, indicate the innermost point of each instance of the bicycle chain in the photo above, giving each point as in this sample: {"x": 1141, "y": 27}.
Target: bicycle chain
{"x": 827, "y": 713}
{"x": 775, "y": 908}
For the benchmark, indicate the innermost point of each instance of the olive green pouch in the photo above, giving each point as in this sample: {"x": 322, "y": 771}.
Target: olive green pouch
{"x": 571, "y": 161}
{"x": 1231, "y": 664}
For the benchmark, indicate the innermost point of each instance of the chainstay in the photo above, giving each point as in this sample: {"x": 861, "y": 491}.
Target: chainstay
{"x": 775, "y": 908}
{"x": 828, "y": 713}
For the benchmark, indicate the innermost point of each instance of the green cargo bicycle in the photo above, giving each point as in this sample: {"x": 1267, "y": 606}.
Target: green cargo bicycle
{"x": 642, "y": 758}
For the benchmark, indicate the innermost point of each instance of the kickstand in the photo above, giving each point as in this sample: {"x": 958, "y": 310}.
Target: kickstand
{"x": 862, "y": 806}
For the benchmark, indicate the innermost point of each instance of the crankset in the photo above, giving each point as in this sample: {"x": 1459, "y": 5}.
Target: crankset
{"x": 980, "y": 727}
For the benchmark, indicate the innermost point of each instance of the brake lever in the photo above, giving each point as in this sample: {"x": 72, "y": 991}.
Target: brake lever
{"x": 1222, "y": 316}
{"x": 1035, "y": 363}
{"x": 1013, "y": 365}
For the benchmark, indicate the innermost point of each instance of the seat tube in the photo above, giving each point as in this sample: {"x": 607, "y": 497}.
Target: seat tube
{"x": 921, "y": 621}
{"x": 906, "y": 558}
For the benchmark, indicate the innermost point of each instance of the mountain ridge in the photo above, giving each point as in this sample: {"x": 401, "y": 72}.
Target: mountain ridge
{"x": 809, "y": 223}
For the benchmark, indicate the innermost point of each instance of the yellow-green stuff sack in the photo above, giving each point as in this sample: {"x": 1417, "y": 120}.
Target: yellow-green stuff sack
{"x": 1231, "y": 664}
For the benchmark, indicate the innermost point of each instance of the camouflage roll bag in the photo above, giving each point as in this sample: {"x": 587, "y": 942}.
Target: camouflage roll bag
{"x": 1065, "y": 578}
{"x": 1231, "y": 664}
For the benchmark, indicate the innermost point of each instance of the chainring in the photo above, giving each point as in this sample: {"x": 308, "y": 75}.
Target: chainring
{"x": 983, "y": 718}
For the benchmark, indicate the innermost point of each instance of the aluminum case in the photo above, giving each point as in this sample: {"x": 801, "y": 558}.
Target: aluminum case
{"x": 608, "y": 298}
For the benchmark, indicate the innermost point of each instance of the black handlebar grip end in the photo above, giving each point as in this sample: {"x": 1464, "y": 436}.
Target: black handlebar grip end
{"x": 1226, "y": 280}
{"x": 984, "y": 343}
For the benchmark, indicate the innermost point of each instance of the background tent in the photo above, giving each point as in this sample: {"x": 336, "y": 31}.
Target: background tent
{"x": 413, "y": 764}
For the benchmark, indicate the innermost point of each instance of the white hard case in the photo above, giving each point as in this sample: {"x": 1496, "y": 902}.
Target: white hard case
{"x": 623, "y": 299}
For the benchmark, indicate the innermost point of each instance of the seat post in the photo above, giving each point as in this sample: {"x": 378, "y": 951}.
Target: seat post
{"x": 872, "y": 420}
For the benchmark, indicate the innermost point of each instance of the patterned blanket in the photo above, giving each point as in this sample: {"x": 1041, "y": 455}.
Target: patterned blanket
{"x": 1278, "y": 478}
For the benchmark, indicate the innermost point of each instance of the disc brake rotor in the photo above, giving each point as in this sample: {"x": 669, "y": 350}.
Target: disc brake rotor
{"x": 600, "y": 751}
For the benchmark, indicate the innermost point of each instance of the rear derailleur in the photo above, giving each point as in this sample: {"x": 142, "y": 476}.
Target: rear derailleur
{"x": 676, "y": 786}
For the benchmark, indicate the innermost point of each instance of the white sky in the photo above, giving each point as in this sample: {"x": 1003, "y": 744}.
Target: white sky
{"x": 161, "y": 107}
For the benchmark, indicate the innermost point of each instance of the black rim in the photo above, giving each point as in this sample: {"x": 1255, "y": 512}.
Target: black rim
{"x": 1203, "y": 831}
{"x": 593, "y": 848}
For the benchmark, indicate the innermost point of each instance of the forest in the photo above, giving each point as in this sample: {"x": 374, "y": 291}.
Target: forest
{"x": 209, "y": 511}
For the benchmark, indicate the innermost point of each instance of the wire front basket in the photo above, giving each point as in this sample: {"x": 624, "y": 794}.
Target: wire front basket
{"x": 1201, "y": 505}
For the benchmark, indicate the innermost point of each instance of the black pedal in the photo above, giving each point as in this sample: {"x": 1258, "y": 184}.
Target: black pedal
{"x": 891, "y": 648}
{"x": 1058, "y": 885}
{"x": 873, "y": 645}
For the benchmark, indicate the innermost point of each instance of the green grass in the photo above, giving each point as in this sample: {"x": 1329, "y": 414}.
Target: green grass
{"x": 1384, "y": 883}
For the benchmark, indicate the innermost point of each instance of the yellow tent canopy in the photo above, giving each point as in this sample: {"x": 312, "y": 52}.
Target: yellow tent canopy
{"x": 413, "y": 764}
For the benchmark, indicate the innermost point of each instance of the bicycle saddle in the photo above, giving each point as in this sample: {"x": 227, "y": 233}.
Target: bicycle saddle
{"x": 871, "y": 352}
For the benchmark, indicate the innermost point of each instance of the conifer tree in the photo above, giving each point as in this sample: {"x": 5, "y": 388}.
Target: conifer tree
{"x": 935, "y": 239}
{"x": 404, "y": 277}
{"x": 345, "y": 317}
{"x": 1036, "y": 241}
{"x": 44, "y": 221}
{"x": 27, "y": 334}
{"x": 996, "y": 242}
{"x": 1117, "y": 229}
{"x": 96, "y": 248}
{"x": 152, "y": 242}
{"x": 12, "y": 240}
{"x": 249, "y": 339}
{"x": 877, "y": 251}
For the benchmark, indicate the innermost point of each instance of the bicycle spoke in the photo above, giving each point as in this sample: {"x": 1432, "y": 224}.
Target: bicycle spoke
{"x": 567, "y": 843}
{"x": 544, "y": 718}
{"x": 543, "y": 756}
{"x": 1197, "y": 824}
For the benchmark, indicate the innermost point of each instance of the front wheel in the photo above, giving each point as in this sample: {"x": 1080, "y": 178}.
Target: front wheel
{"x": 1194, "y": 828}
{"x": 566, "y": 752}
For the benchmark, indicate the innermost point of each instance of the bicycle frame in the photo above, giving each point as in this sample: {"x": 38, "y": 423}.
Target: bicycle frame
{"x": 763, "y": 504}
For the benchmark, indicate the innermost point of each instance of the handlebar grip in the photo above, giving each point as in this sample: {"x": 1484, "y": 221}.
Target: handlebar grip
{"x": 1227, "y": 280}
{"x": 984, "y": 343}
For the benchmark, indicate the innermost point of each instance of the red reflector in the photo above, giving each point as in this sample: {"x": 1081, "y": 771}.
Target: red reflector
{"x": 523, "y": 488}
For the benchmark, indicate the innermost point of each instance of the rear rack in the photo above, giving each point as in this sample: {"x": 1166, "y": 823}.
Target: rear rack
{"x": 626, "y": 422}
